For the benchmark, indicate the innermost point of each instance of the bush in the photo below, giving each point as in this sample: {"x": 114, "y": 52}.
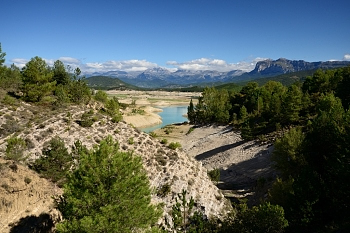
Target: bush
{"x": 9, "y": 100}
{"x": 214, "y": 175}
{"x": 87, "y": 119}
{"x": 174, "y": 145}
{"x": 153, "y": 134}
{"x": 164, "y": 141}
{"x": 262, "y": 218}
{"x": 15, "y": 148}
{"x": 11, "y": 126}
{"x": 117, "y": 118}
{"x": 190, "y": 130}
{"x": 27, "y": 180}
{"x": 54, "y": 162}
{"x": 101, "y": 96}
{"x": 108, "y": 192}
{"x": 131, "y": 141}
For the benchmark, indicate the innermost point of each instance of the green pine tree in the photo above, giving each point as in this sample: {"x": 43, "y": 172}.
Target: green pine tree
{"x": 108, "y": 192}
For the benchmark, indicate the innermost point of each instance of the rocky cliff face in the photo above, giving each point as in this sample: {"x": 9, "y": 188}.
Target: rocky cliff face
{"x": 163, "y": 165}
{"x": 282, "y": 66}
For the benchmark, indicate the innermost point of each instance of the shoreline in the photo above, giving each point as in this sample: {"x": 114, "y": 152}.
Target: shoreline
{"x": 150, "y": 102}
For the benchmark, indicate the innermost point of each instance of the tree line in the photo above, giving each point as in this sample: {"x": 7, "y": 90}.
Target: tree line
{"x": 37, "y": 82}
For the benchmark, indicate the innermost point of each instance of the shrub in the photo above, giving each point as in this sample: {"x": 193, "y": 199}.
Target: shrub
{"x": 164, "y": 141}
{"x": 87, "y": 119}
{"x": 190, "y": 130}
{"x": 11, "y": 126}
{"x": 117, "y": 118}
{"x": 15, "y": 148}
{"x": 153, "y": 134}
{"x": 214, "y": 175}
{"x": 174, "y": 145}
{"x": 104, "y": 174}
{"x": 101, "y": 96}
{"x": 9, "y": 100}
{"x": 131, "y": 141}
{"x": 263, "y": 218}
{"x": 27, "y": 180}
{"x": 55, "y": 161}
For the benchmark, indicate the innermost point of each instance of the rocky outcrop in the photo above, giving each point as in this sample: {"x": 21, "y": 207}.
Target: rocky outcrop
{"x": 281, "y": 66}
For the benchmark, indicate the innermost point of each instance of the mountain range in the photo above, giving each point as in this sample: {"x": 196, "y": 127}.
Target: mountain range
{"x": 161, "y": 77}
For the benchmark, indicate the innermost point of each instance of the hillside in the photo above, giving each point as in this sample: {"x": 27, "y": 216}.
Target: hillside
{"x": 164, "y": 166}
{"x": 106, "y": 83}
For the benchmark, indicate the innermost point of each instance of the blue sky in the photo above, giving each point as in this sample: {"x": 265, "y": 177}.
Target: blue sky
{"x": 185, "y": 34}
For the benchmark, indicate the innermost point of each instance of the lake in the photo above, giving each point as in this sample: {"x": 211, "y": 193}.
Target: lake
{"x": 170, "y": 115}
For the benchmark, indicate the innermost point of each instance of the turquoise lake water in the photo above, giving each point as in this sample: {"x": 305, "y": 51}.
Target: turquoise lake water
{"x": 170, "y": 115}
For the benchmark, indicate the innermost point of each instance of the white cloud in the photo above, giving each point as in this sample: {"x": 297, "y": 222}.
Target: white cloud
{"x": 142, "y": 65}
{"x": 90, "y": 67}
{"x": 19, "y": 62}
{"x": 215, "y": 64}
{"x": 346, "y": 57}
{"x": 70, "y": 60}
{"x": 127, "y": 65}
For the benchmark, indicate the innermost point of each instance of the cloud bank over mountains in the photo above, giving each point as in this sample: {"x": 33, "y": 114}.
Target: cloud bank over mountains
{"x": 200, "y": 64}
{"x": 142, "y": 65}
{"x": 215, "y": 64}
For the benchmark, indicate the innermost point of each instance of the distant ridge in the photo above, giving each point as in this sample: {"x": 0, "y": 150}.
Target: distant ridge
{"x": 161, "y": 77}
{"x": 104, "y": 82}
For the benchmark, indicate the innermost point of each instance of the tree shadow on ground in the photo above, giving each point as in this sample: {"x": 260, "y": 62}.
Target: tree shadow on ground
{"x": 250, "y": 178}
{"x": 217, "y": 150}
{"x": 34, "y": 224}
{"x": 245, "y": 174}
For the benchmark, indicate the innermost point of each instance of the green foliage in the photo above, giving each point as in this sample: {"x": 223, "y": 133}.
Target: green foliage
{"x": 87, "y": 119}
{"x": 174, "y": 145}
{"x": 2, "y": 56}
{"x": 15, "y": 148}
{"x": 101, "y": 96}
{"x": 342, "y": 89}
{"x": 214, "y": 175}
{"x": 287, "y": 152}
{"x": 191, "y": 115}
{"x": 79, "y": 92}
{"x": 27, "y": 180}
{"x": 10, "y": 78}
{"x": 314, "y": 164}
{"x": 54, "y": 162}
{"x": 181, "y": 212}
{"x": 190, "y": 130}
{"x": 108, "y": 83}
{"x": 152, "y": 134}
{"x": 263, "y": 218}
{"x": 164, "y": 141}
{"x": 117, "y": 118}
{"x": 60, "y": 75}
{"x": 108, "y": 192}
{"x": 37, "y": 80}
{"x": 292, "y": 104}
{"x": 131, "y": 141}
{"x": 138, "y": 111}
{"x": 9, "y": 100}
{"x": 62, "y": 96}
